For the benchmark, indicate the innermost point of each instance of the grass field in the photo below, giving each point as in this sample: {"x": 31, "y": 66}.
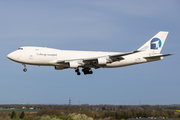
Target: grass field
{"x": 18, "y": 110}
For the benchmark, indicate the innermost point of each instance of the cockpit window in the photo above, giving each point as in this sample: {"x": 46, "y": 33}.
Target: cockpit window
{"x": 20, "y": 48}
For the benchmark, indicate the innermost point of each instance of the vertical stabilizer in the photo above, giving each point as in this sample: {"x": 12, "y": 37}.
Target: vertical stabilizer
{"x": 155, "y": 44}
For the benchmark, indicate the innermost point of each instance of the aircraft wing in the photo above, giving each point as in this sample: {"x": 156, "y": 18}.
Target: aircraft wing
{"x": 116, "y": 56}
{"x": 110, "y": 58}
{"x": 124, "y": 54}
{"x": 92, "y": 62}
{"x": 120, "y": 56}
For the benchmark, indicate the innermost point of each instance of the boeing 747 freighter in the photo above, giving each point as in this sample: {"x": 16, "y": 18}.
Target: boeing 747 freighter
{"x": 63, "y": 59}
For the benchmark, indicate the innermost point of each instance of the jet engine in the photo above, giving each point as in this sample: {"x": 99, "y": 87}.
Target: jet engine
{"x": 101, "y": 61}
{"x": 74, "y": 64}
{"x": 58, "y": 67}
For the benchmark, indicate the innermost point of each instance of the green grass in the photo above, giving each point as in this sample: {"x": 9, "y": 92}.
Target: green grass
{"x": 18, "y": 110}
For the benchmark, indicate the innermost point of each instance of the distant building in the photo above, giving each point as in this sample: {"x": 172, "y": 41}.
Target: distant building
{"x": 23, "y": 107}
{"x": 31, "y": 108}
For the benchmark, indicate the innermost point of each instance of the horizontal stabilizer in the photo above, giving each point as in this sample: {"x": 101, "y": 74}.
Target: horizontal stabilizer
{"x": 157, "y": 56}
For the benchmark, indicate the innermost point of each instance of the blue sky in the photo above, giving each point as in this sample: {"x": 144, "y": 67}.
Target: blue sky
{"x": 117, "y": 26}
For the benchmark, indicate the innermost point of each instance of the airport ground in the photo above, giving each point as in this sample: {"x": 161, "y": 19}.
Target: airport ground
{"x": 88, "y": 112}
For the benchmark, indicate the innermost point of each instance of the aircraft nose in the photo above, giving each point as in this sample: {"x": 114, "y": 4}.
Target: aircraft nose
{"x": 8, "y": 56}
{"x": 11, "y": 56}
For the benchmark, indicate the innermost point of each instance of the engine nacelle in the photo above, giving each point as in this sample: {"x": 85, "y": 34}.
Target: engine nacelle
{"x": 101, "y": 61}
{"x": 59, "y": 67}
{"x": 74, "y": 64}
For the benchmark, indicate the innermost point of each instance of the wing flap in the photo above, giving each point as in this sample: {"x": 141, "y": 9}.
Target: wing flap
{"x": 89, "y": 60}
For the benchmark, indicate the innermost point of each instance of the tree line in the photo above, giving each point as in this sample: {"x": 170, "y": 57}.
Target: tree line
{"x": 89, "y": 112}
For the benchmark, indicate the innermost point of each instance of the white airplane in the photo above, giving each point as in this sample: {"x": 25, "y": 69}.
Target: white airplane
{"x": 62, "y": 59}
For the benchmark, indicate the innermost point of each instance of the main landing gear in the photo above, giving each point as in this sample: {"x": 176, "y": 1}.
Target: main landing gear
{"x": 85, "y": 71}
{"x": 77, "y": 71}
{"x": 25, "y": 69}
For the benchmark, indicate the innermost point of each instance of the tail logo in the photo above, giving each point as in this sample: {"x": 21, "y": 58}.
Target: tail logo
{"x": 155, "y": 43}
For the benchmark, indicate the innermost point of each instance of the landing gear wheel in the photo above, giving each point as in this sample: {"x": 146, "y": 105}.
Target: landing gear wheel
{"x": 78, "y": 73}
{"x": 77, "y": 70}
{"x": 90, "y": 72}
{"x": 87, "y": 71}
{"x": 24, "y": 69}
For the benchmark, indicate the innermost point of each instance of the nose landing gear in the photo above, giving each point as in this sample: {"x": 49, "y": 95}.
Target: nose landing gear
{"x": 25, "y": 69}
